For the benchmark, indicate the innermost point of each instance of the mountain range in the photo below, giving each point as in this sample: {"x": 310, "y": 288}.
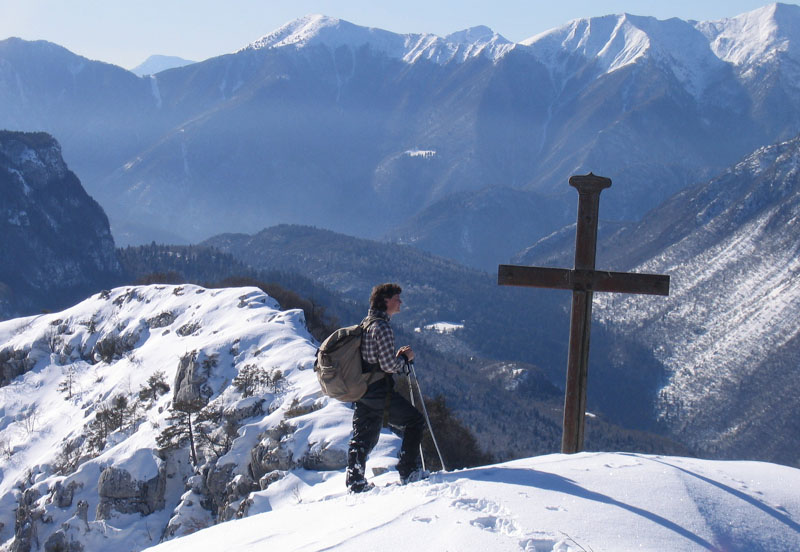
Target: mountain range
{"x": 357, "y": 130}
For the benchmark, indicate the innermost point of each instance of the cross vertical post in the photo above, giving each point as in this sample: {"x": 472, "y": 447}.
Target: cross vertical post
{"x": 589, "y": 188}
{"x": 583, "y": 280}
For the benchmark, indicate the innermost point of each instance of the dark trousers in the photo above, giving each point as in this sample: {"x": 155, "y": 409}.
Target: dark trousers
{"x": 367, "y": 421}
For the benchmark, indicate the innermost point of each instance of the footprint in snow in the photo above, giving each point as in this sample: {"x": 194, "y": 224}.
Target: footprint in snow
{"x": 539, "y": 544}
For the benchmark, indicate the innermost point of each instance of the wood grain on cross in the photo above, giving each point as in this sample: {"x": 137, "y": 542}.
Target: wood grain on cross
{"x": 583, "y": 280}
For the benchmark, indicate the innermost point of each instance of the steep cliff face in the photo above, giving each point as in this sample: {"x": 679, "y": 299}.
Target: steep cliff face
{"x": 55, "y": 242}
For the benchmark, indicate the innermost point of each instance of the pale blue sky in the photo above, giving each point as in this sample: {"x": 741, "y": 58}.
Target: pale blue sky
{"x": 125, "y": 32}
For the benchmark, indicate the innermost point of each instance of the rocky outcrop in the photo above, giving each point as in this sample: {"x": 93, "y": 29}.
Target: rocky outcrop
{"x": 65, "y": 539}
{"x": 271, "y": 453}
{"x": 27, "y": 516}
{"x": 191, "y": 386}
{"x": 59, "y": 542}
{"x": 325, "y": 458}
{"x": 120, "y": 492}
{"x": 113, "y": 346}
{"x": 14, "y": 362}
{"x": 62, "y": 494}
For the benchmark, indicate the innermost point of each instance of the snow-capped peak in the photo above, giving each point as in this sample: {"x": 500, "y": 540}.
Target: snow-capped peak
{"x": 475, "y": 35}
{"x": 316, "y": 30}
{"x": 694, "y": 51}
{"x": 309, "y": 30}
{"x": 755, "y": 35}
{"x": 610, "y": 37}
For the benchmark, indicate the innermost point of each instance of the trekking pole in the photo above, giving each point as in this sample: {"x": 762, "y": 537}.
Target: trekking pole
{"x": 411, "y": 394}
{"x": 427, "y": 418}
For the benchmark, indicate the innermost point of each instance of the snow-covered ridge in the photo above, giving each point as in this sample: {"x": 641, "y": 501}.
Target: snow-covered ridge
{"x": 316, "y": 30}
{"x": 695, "y": 50}
{"x": 615, "y": 41}
{"x": 81, "y": 421}
{"x": 756, "y": 35}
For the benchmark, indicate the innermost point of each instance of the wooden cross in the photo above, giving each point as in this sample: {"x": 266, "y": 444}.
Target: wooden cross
{"x": 583, "y": 280}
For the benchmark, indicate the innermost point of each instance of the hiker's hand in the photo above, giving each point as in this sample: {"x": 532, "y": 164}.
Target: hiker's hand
{"x": 406, "y": 352}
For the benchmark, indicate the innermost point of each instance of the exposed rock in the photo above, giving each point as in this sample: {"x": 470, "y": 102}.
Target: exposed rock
{"x": 121, "y": 493}
{"x": 188, "y": 329}
{"x": 325, "y": 459}
{"x": 25, "y": 521}
{"x": 13, "y": 363}
{"x": 63, "y": 494}
{"x": 162, "y": 320}
{"x": 59, "y": 542}
{"x": 247, "y": 408}
{"x": 113, "y": 346}
{"x": 268, "y": 456}
{"x": 191, "y": 380}
{"x": 270, "y": 478}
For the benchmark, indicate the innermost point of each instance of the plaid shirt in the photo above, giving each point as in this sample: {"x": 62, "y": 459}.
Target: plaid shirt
{"x": 377, "y": 345}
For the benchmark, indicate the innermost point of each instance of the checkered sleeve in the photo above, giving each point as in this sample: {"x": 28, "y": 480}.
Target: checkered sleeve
{"x": 378, "y": 347}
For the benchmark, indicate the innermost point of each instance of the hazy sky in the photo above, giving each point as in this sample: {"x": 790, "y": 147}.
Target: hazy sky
{"x": 126, "y": 32}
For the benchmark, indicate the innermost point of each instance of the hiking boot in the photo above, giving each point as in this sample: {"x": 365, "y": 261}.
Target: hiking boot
{"x": 414, "y": 476}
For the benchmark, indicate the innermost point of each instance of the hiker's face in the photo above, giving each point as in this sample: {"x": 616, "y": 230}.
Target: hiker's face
{"x": 393, "y": 304}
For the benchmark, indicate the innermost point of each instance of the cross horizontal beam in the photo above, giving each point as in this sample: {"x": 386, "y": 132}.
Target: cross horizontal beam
{"x": 583, "y": 280}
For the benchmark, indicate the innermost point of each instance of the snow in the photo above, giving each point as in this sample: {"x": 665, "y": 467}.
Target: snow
{"x": 696, "y": 52}
{"x": 425, "y": 154}
{"x": 617, "y": 41}
{"x": 443, "y": 327}
{"x": 316, "y": 30}
{"x": 155, "y": 90}
{"x": 746, "y": 38}
{"x": 559, "y": 503}
{"x": 611, "y": 40}
{"x": 235, "y": 327}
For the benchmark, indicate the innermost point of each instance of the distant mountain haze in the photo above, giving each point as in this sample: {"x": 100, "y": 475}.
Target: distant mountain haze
{"x": 358, "y": 130}
{"x": 157, "y": 63}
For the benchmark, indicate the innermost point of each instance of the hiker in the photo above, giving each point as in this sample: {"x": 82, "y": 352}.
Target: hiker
{"x": 377, "y": 348}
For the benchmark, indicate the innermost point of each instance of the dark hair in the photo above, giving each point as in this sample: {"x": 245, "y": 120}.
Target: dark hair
{"x": 380, "y": 293}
